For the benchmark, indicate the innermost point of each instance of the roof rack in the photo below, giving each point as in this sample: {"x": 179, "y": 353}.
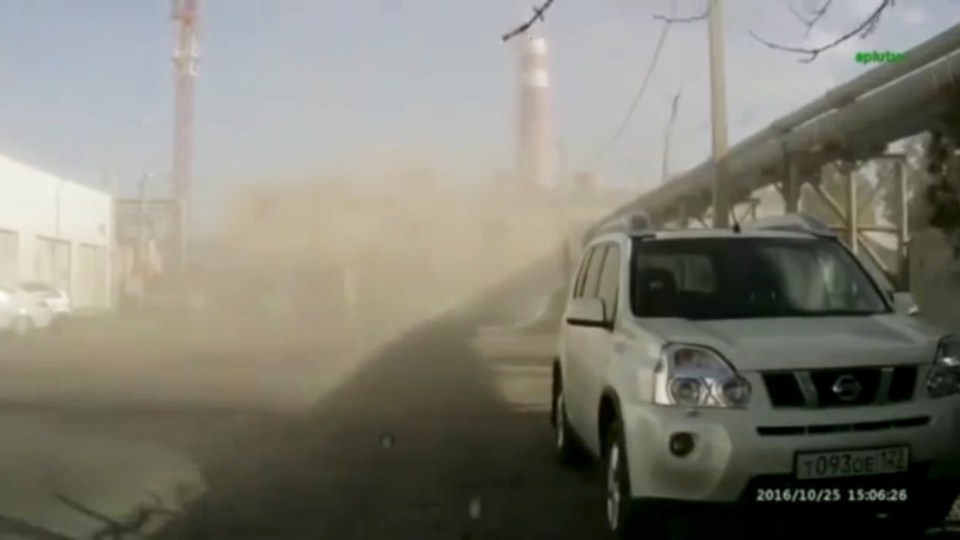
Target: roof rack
{"x": 791, "y": 223}
{"x": 636, "y": 224}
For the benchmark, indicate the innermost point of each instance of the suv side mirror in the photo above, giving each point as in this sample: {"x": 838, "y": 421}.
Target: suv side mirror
{"x": 904, "y": 304}
{"x": 588, "y": 312}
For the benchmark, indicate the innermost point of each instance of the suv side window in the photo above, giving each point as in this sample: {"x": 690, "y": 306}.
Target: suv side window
{"x": 592, "y": 280}
{"x": 691, "y": 272}
{"x": 582, "y": 274}
{"x": 610, "y": 281}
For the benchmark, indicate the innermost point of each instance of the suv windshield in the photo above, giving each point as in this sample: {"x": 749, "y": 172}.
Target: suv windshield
{"x": 730, "y": 278}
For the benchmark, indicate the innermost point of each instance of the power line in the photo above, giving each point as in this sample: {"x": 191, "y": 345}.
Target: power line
{"x": 638, "y": 96}
{"x": 538, "y": 12}
{"x": 665, "y": 164}
{"x": 863, "y": 30}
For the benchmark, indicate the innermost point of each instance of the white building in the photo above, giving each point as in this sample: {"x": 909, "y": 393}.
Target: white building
{"x": 56, "y": 231}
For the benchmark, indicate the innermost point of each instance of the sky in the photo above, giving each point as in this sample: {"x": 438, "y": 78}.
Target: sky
{"x": 292, "y": 89}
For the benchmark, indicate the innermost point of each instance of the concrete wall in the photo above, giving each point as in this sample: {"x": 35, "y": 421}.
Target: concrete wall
{"x": 55, "y": 230}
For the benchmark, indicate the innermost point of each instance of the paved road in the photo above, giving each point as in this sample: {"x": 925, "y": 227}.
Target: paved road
{"x": 432, "y": 440}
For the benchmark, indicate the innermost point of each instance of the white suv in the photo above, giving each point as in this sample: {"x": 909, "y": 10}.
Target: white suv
{"x": 763, "y": 366}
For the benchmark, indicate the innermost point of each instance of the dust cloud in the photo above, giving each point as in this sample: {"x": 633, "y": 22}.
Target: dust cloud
{"x": 306, "y": 287}
{"x": 303, "y": 281}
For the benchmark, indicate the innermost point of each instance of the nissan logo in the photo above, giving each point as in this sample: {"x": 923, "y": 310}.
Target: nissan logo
{"x": 846, "y": 388}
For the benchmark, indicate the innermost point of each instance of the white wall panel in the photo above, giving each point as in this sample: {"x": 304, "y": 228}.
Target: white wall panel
{"x": 52, "y": 218}
{"x": 9, "y": 256}
{"x": 89, "y": 287}
{"x": 52, "y": 263}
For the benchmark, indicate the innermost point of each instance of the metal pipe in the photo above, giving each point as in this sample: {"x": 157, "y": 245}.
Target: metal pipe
{"x": 899, "y": 110}
{"x": 921, "y": 56}
{"x": 929, "y": 51}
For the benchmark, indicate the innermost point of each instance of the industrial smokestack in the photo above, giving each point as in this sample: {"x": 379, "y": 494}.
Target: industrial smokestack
{"x": 536, "y": 136}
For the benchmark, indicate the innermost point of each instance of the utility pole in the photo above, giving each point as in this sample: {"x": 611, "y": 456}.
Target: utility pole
{"x": 142, "y": 245}
{"x": 142, "y": 250}
{"x": 665, "y": 167}
{"x": 144, "y": 211}
{"x": 718, "y": 116}
{"x": 185, "y": 58}
{"x": 116, "y": 279}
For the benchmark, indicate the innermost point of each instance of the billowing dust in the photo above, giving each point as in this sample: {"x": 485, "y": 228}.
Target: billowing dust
{"x": 338, "y": 301}
{"x": 303, "y": 282}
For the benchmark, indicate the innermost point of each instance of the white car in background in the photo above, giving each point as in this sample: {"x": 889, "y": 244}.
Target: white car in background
{"x": 56, "y": 299}
{"x": 22, "y": 311}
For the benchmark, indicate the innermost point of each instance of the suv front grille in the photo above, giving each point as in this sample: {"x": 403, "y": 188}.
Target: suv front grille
{"x": 823, "y": 381}
{"x": 784, "y": 390}
{"x": 852, "y": 387}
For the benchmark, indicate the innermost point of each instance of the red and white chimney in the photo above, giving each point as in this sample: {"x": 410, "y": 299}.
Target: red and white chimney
{"x": 536, "y": 134}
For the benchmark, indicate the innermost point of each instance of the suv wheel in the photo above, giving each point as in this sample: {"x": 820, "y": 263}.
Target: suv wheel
{"x": 624, "y": 516}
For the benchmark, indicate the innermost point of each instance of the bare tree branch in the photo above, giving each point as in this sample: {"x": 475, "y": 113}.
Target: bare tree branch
{"x": 863, "y": 30}
{"x": 694, "y": 18}
{"x": 537, "y": 16}
{"x": 797, "y": 14}
{"x": 818, "y": 14}
{"x": 811, "y": 21}
{"x": 639, "y": 95}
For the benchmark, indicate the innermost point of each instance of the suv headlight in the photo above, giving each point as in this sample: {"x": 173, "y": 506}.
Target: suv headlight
{"x": 944, "y": 379}
{"x": 694, "y": 376}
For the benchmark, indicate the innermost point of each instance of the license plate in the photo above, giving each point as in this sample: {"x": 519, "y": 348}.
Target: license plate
{"x": 852, "y": 463}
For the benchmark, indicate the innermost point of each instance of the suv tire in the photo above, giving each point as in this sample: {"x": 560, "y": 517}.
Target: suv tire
{"x": 568, "y": 449}
{"x": 624, "y": 516}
